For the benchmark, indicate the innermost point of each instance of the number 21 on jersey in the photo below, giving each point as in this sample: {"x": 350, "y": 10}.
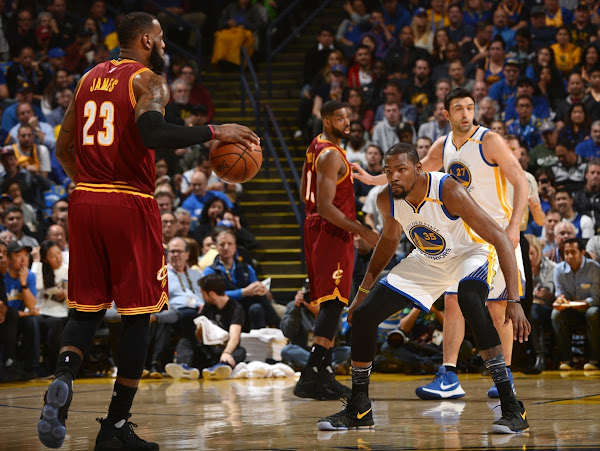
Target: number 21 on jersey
{"x": 106, "y": 131}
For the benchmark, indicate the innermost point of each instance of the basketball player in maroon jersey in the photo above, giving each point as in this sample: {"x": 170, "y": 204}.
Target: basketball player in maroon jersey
{"x": 104, "y": 145}
{"x": 328, "y": 193}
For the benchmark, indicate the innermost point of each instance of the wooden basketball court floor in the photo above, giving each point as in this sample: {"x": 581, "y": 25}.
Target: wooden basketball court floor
{"x": 263, "y": 414}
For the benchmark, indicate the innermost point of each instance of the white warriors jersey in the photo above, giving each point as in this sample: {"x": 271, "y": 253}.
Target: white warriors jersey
{"x": 435, "y": 233}
{"x": 484, "y": 181}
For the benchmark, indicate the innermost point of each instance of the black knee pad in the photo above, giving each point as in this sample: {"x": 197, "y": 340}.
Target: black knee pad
{"x": 472, "y": 295}
{"x": 133, "y": 345}
{"x": 81, "y": 328}
{"x": 328, "y": 319}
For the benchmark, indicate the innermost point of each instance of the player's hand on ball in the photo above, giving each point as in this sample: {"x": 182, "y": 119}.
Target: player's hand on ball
{"x": 235, "y": 133}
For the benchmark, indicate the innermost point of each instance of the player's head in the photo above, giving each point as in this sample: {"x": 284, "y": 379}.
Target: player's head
{"x": 459, "y": 109}
{"x": 142, "y": 32}
{"x": 401, "y": 167}
{"x": 336, "y": 119}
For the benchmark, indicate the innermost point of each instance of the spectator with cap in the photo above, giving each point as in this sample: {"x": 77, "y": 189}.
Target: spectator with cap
{"x": 56, "y": 60}
{"x": 590, "y": 148}
{"x": 506, "y": 88}
{"x": 43, "y": 36}
{"x": 20, "y": 285}
{"x": 543, "y": 155}
{"x": 542, "y": 34}
{"x": 27, "y": 73}
{"x": 541, "y": 109}
{"x": 406, "y": 133}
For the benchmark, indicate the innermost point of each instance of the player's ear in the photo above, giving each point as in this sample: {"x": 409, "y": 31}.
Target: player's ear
{"x": 147, "y": 41}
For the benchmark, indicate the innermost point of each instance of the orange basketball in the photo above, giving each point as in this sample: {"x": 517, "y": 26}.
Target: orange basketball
{"x": 234, "y": 163}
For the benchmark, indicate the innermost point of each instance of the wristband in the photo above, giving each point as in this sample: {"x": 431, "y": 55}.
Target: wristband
{"x": 212, "y": 131}
{"x": 24, "y": 287}
{"x": 362, "y": 290}
{"x": 514, "y": 301}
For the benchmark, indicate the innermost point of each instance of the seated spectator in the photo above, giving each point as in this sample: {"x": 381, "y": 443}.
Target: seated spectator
{"x": 32, "y": 157}
{"x": 239, "y": 25}
{"x": 487, "y": 112}
{"x": 242, "y": 284}
{"x": 442, "y": 88}
{"x": 590, "y": 148}
{"x": 178, "y": 110}
{"x": 423, "y": 145}
{"x": 63, "y": 99}
{"x": 13, "y": 221}
{"x": 297, "y": 324}
{"x": 522, "y": 51}
{"x": 9, "y": 115}
{"x": 199, "y": 95}
{"x": 9, "y": 323}
{"x": 502, "y": 28}
{"x": 56, "y": 233}
{"x": 379, "y": 33}
{"x": 472, "y": 53}
{"x": 584, "y": 226}
{"x": 547, "y": 238}
{"x": 499, "y": 127}
{"x": 542, "y": 34}
{"x": 587, "y": 201}
{"x": 526, "y": 126}
{"x": 543, "y": 155}
{"x": 168, "y": 229}
{"x": 12, "y": 188}
{"x": 76, "y": 58}
{"x": 589, "y": 60}
{"x": 374, "y": 157}
{"x": 569, "y": 172}
{"x": 575, "y": 94}
{"x": 456, "y": 72}
{"x": 458, "y": 31}
{"x": 567, "y": 54}
{"x": 393, "y": 93}
{"x": 212, "y": 213}
{"x": 27, "y": 73}
{"x": 335, "y": 89}
{"x": 577, "y": 279}
{"x": 491, "y": 69}
{"x": 476, "y": 12}
{"x": 576, "y": 125}
{"x": 200, "y": 195}
{"x": 423, "y": 34}
{"x": 359, "y": 110}
{"x": 506, "y": 87}
{"x": 593, "y": 248}
{"x": 440, "y": 42}
{"x": 356, "y": 144}
{"x": 361, "y": 73}
{"x": 165, "y": 200}
{"x": 350, "y": 29}
{"x": 21, "y": 293}
{"x": 385, "y": 132}
{"x": 437, "y": 127}
{"x": 184, "y": 221}
{"x": 420, "y": 90}
{"x": 51, "y": 275}
{"x": 525, "y": 86}
{"x": 402, "y": 53}
{"x": 201, "y": 163}
{"x": 562, "y": 232}
{"x": 542, "y": 270}
{"x": 215, "y": 361}
{"x": 31, "y": 185}
{"x": 244, "y": 238}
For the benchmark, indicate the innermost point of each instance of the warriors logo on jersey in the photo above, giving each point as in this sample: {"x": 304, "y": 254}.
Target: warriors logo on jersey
{"x": 459, "y": 170}
{"x": 427, "y": 240}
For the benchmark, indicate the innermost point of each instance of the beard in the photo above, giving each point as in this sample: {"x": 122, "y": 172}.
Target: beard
{"x": 338, "y": 133}
{"x": 157, "y": 62}
{"x": 402, "y": 194}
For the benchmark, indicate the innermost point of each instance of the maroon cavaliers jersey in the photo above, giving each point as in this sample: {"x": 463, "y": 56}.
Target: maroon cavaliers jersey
{"x": 109, "y": 150}
{"x": 344, "y": 192}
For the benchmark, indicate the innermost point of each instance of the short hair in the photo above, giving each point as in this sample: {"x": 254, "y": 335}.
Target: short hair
{"x": 181, "y": 212}
{"x": 594, "y": 68}
{"x": 186, "y": 248}
{"x": 401, "y": 148}
{"x": 357, "y": 123}
{"x": 362, "y": 46}
{"x": 499, "y": 39}
{"x": 566, "y": 142}
{"x": 377, "y": 147}
{"x": 427, "y": 138}
{"x": 213, "y": 282}
{"x": 525, "y": 96}
{"x": 592, "y": 162}
{"x": 331, "y": 107}
{"x": 563, "y": 190}
{"x": 12, "y": 209}
{"x": 217, "y": 230}
{"x": 132, "y": 26}
{"x": 25, "y": 126}
{"x": 579, "y": 242}
{"x": 164, "y": 193}
{"x": 456, "y": 93}
{"x": 512, "y": 138}
{"x": 179, "y": 81}
{"x": 553, "y": 211}
{"x": 481, "y": 26}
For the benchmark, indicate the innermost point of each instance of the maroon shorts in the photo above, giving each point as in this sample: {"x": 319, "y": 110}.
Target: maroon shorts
{"x": 329, "y": 260}
{"x": 116, "y": 253}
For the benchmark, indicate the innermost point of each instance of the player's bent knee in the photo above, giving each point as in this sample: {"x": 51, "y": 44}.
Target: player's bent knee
{"x": 328, "y": 319}
{"x": 471, "y": 298}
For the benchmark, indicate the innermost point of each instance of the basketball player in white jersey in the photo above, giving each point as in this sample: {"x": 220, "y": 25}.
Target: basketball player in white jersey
{"x": 484, "y": 164}
{"x": 440, "y": 219}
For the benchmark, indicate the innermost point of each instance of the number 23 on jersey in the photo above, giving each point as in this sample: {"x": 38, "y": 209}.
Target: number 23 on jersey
{"x": 106, "y": 131}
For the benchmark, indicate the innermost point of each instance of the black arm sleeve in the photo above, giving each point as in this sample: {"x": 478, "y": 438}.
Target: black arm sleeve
{"x": 158, "y": 134}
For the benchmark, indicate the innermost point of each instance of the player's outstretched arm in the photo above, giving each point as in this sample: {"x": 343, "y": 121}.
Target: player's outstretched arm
{"x": 363, "y": 176}
{"x": 152, "y": 95}
{"x": 458, "y": 202}
{"x": 434, "y": 160}
{"x": 386, "y": 246}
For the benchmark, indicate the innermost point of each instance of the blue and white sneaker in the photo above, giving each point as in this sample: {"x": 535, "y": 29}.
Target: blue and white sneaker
{"x": 218, "y": 371}
{"x": 181, "y": 371}
{"x": 445, "y": 385}
{"x": 493, "y": 392}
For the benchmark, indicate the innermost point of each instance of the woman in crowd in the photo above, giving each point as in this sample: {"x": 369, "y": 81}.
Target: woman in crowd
{"x": 358, "y": 108}
{"x": 577, "y": 124}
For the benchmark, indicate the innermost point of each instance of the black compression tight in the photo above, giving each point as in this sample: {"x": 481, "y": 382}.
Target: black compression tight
{"x": 328, "y": 319}
{"x": 472, "y": 295}
{"x": 379, "y": 305}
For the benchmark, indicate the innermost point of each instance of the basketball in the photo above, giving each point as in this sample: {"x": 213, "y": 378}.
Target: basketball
{"x": 234, "y": 163}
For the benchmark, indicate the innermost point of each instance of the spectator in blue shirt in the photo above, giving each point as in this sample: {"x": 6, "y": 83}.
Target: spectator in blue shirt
{"x": 541, "y": 109}
{"x": 527, "y": 126}
{"x": 506, "y": 88}
{"x": 590, "y": 148}
{"x": 395, "y": 16}
{"x": 577, "y": 279}
{"x": 195, "y": 201}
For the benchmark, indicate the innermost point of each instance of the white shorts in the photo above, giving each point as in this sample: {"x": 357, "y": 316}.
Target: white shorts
{"x": 423, "y": 281}
{"x": 498, "y": 291}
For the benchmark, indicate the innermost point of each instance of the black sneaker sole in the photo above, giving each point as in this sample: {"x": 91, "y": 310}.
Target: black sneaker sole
{"x": 503, "y": 429}
{"x": 51, "y": 431}
{"x": 326, "y": 426}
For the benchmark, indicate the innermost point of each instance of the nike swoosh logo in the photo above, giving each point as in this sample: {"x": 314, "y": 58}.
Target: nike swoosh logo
{"x": 361, "y": 415}
{"x": 523, "y": 415}
{"x": 446, "y": 387}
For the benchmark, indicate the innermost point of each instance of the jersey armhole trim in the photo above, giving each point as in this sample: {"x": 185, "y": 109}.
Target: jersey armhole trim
{"x": 130, "y": 86}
